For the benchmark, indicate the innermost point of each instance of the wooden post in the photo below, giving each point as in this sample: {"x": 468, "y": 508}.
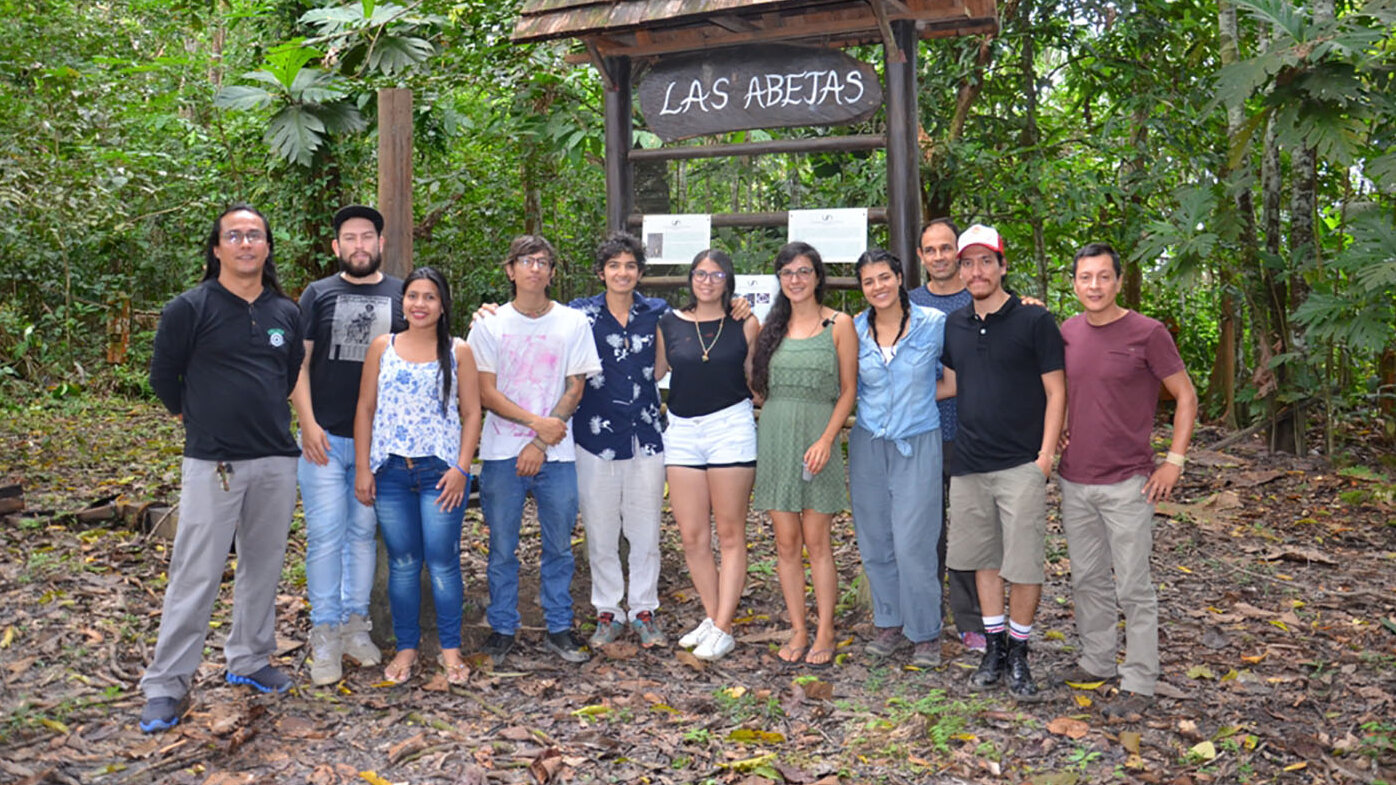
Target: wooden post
{"x": 395, "y": 178}
{"x": 620, "y": 190}
{"x": 903, "y": 162}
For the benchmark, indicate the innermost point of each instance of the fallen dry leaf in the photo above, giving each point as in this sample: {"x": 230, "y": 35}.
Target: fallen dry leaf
{"x": 1071, "y": 728}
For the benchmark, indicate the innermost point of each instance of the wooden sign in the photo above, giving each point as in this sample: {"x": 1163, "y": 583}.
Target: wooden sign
{"x": 756, "y": 86}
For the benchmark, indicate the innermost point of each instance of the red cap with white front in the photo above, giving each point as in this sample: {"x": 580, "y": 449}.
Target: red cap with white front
{"x": 979, "y": 234}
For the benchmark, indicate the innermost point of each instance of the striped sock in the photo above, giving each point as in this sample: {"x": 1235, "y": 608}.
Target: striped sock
{"x": 1019, "y": 632}
{"x": 993, "y": 624}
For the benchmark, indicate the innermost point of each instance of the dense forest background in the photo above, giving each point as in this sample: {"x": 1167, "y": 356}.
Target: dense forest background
{"x": 1242, "y": 153}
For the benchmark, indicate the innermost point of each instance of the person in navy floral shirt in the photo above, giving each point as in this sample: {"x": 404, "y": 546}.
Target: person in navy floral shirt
{"x": 620, "y": 463}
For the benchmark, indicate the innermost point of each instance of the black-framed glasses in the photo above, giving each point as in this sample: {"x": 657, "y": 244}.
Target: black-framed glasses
{"x": 716, "y": 276}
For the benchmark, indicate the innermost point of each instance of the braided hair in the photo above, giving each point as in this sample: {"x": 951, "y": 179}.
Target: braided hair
{"x": 878, "y": 256}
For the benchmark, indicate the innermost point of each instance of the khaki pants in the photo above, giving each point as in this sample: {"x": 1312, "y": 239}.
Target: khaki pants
{"x": 1111, "y": 527}
{"x": 255, "y": 512}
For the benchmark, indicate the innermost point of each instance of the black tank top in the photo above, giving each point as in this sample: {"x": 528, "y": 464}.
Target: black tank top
{"x": 696, "y": 387}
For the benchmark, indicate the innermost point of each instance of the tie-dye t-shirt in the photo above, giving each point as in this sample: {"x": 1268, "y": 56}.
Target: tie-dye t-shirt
{"x": 531, "y": 360}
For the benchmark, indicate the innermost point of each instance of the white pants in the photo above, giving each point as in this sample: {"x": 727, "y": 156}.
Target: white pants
{"x": 622, "y": 497}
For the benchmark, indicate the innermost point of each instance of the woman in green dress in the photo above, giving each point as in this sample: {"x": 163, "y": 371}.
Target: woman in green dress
{"x": 805, "y": 368}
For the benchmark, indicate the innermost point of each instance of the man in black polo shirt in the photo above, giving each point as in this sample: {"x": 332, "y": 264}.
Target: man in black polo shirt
{"x": 227, "y": 354}
{"x": 1006, "y": 361}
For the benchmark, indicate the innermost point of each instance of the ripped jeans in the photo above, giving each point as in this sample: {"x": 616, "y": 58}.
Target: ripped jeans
{"x": 415, "y": 531}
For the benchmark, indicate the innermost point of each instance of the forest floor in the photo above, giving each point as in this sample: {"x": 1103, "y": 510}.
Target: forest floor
{"x": 1277, "y": 594}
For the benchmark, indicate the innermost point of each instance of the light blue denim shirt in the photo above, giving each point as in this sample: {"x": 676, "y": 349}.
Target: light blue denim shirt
{"x": 896, "y": 399}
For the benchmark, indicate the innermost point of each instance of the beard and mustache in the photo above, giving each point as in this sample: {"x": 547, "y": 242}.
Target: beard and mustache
{"x": 363, "y": 268}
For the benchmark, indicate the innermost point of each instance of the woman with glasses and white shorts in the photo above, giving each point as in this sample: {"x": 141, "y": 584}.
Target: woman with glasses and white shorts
{"x": 710, "y": 444}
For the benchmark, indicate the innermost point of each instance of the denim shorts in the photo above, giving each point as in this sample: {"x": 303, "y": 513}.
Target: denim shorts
{"x": 727, "y": 437}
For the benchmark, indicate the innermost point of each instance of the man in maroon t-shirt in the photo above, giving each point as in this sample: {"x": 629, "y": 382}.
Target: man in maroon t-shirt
{"x": 1115, "y": 361}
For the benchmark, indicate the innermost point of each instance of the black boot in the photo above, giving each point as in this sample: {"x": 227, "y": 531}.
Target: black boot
{"x": 1020, "y": 683}
{"x": 990, "y": 668}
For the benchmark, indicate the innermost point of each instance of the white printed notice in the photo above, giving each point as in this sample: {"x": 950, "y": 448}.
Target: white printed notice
{"x": 760, "y": 291}
{"x": 676, "y": 239}
{"x": 839, "y": 234}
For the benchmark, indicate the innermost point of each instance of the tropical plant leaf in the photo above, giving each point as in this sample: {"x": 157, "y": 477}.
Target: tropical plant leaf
{"x": 266, "y": 77}
{"x": 1280, "y": 14}
{"x": 393, "y": 54}
{"x": 340, "y": 117}
{"x": 314, "y": 86}
{"x": 330, "y": 21}
{"x": 1382, "y": 171}
{"x": 295, "y": 133}
{"x": 242, "y": 97}
{"x": 286, "y": 60}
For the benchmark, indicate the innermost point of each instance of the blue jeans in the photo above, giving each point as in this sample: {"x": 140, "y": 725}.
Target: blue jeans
{"x": 339, "y": 547}
{"x": 415, "y": 531}
{"x": 502, "y": 494}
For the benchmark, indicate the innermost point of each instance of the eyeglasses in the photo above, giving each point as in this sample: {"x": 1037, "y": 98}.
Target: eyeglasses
{"x": 798, "y": 272}
{"x": 540, "y": 262}
{"x": 236, "y": 237}
{"x": 716, "y": 276}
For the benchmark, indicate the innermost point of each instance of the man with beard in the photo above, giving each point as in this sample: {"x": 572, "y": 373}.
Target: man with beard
{"x": 1005, "y": 360}
{"x": 342, "y": 315}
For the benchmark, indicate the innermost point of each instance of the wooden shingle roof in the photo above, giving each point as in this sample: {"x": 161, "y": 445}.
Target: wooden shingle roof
{"x": 641, "y": 28}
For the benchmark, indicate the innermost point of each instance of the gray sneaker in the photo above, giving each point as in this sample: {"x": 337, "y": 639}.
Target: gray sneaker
{"x": 326, "y": 654}
{"x": 927, "y": 654}
{"x": 887, "y": 641}
{"x": 566, "y": 645}
{"x": 357, "y": 642}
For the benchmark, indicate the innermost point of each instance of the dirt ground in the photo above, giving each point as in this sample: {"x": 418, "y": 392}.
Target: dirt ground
{"x": 1277, "y": 592}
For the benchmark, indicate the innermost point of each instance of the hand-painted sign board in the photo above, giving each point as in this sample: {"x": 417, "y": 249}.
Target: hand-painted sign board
{"x": 756, "y": 86}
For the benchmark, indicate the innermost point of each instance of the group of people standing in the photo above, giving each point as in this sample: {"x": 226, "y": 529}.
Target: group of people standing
{"x": 390, "y": 410}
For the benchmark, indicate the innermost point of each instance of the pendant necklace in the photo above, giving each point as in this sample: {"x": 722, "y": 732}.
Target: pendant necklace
{"x": 708, "y": 347}
{"x": 534, "y": 314}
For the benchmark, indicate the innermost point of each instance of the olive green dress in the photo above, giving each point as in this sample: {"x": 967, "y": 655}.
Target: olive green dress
{"x": 803, "y": 386}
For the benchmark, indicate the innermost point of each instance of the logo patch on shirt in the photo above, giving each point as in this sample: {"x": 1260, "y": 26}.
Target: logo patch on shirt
{"x": 276, "y": 337}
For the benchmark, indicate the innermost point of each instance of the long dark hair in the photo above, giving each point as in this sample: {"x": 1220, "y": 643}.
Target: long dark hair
{"x": 878, "y": 256}
{"x": 722, "y": 260}
{"x": 444, "y": 342}
{"x": 212, "y": 267}
{"x": 773, "y": 331}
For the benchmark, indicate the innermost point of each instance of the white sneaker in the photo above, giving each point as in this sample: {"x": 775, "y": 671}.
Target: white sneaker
{"x": 696, "y": 635}
{"x": 325, "y": 654}
{"x": 717, "y": 645}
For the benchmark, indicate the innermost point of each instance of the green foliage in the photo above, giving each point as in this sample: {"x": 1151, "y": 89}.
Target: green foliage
{"x": 125, "y": 126}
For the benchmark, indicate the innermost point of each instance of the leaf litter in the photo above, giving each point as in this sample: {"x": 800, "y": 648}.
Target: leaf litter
{"x": 1277, "y": 635}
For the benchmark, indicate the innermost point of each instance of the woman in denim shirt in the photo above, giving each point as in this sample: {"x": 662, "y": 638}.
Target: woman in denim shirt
{"x": 894, "y": 459}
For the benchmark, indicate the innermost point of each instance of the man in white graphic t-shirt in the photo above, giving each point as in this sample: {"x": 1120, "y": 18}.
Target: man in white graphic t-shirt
{"x": 534, "y": 358}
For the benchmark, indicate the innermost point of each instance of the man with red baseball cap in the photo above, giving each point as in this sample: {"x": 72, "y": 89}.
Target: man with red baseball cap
{"x": 1005, "y": 361}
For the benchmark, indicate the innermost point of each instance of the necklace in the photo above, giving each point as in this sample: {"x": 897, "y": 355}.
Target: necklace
{"x": 534, "y": 314}
{"x": 708, "y": 347}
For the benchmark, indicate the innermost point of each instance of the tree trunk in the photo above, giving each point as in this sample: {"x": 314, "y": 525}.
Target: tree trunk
{"x": 1132, "y": 229}
{"x": 1224, "y": 370}
{"x": 938, "y": 201}
{"x": 1028, "y": 141}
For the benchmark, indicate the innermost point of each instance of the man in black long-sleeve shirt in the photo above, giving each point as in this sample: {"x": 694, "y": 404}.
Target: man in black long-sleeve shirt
{"x": 227, "y": 355}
